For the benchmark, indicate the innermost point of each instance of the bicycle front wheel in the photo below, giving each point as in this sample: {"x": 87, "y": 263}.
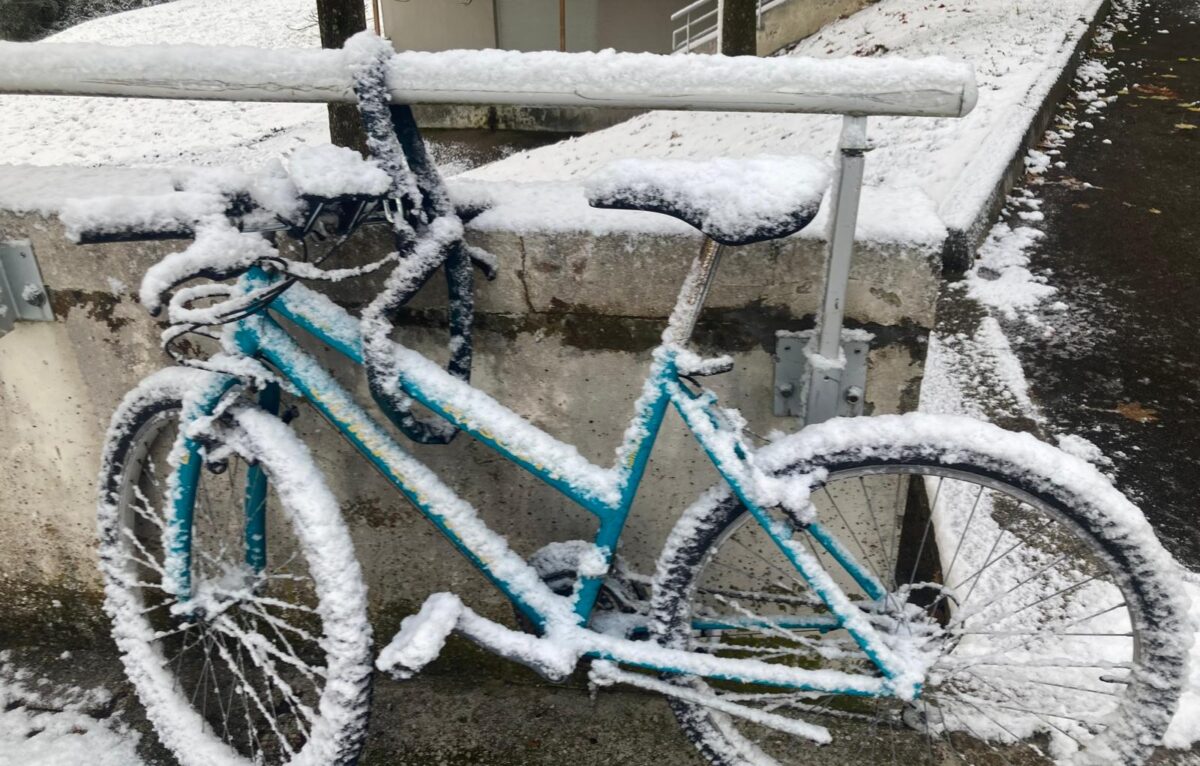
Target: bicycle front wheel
{"x": 268, "y": 661}
{"x": 1040, "y": 603}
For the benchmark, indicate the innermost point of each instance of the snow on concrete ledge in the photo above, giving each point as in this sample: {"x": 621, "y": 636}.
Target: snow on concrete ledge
{"x": 925, "y": 177}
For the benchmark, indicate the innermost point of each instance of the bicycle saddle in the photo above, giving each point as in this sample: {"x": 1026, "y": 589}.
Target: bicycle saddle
{"x": 733, "y": 201}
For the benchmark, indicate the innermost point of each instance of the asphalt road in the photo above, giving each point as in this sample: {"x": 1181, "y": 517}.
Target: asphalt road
{"x": 1123, "y": 370}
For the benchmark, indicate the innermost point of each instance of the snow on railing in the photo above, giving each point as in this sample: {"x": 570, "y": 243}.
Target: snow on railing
{"x": 853, "y": 87}
{"x": 701, "y": 23}
{"x": 931, "y": 87}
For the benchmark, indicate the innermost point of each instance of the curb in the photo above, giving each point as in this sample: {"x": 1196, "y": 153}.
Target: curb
{"x": 958, "y": 250}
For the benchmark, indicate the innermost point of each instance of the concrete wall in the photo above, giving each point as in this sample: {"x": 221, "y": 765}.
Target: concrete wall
{"x": 795, "y": 20}
{"x": 563, "y": 337}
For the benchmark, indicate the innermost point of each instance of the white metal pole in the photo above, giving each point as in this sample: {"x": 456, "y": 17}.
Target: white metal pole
{"x": 720, "y": 25}
{"x": 916, "y": 87}
{"x": 824, "y": 386}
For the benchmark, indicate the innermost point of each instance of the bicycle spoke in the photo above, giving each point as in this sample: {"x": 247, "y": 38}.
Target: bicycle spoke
{"x": 925, "y": 535}
{"x": 853, "y": 536}
{"x": 1040, "y": 715}
{"x": 258, "y": 703}
{"x": 875, "y": 522}
{"x": 962, "y": 538}
{"x": 979, "y": 610}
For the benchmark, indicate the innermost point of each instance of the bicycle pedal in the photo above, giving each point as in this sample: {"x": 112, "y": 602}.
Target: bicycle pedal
{"x": 421, "y": 637}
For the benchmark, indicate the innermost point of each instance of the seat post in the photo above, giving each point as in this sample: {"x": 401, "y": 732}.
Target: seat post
{"x": 693, "y": 293}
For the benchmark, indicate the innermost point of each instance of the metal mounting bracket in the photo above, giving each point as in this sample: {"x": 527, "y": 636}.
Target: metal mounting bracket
{"x": 23, "y": 296}
{"x": 794, "y": 370}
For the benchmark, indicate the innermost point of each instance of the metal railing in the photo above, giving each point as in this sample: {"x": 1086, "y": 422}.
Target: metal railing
{"x": 855, "y": 88}
{"x": 701, "y": 23}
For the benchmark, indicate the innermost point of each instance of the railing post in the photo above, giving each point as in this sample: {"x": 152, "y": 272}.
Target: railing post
{"x": 720, "y": 25}
{"x": 823, "y": 397}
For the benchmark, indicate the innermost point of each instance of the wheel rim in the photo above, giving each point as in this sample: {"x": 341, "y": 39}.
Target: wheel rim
{"x": 1026, "y": 603}
{"x": 248, "y": 661}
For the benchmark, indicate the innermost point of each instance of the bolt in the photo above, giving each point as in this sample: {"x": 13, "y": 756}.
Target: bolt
{"x": 33, "y": 294}
{"x": 854, "y": 395}
{"x": 786, "y": 390}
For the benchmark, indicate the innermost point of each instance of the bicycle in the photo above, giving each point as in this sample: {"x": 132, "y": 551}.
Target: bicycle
{"x": 239, "y": 606}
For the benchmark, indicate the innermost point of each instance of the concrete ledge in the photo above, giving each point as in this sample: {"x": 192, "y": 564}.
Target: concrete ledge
{"x": 563, "y": 336}
{"x": 503, "y": 117}
{"x": 792, "y": 21}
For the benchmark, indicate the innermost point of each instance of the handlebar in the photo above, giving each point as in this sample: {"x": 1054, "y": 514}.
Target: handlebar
{"x": 183, "y": 229}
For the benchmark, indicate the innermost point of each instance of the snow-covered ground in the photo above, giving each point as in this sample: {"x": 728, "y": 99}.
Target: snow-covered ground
{"x": 46, "y": 724}
{"x": 44, "y": 130}
{"x": 924, "y": 175}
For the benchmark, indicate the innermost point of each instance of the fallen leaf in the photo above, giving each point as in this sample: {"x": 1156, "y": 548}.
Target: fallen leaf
{"x": 1075, "y": 184}
{"x": 1156, "y": 211}
{"x": 1185, "y": 126}
{"x": 1155, "y": 91}
{"x": 1136, "y": 412}
{"x": 1082, "y": 205}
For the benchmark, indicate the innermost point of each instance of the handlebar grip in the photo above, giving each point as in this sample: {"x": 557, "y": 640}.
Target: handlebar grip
{"x": 103, "y": 237}
{"x": 133, "y": 218}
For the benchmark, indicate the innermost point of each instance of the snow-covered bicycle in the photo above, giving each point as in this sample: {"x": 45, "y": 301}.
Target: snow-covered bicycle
{"x": 897, "y": 588}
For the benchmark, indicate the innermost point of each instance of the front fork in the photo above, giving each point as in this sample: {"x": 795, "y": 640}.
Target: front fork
{"x": 256, "y": 496}
{"x": 189, "y": 471}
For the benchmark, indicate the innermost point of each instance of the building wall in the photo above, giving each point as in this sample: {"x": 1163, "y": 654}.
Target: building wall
{"x": 437, "y": 25}
{"x": 636, "y": 25}
{"x": 529, "y": 25}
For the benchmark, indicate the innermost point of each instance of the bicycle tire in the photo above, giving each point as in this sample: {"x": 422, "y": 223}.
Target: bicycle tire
{"x": 1070, "y": 492}
{"x": 337, "y": 625}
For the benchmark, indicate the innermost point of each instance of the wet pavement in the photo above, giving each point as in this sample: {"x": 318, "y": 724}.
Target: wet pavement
{"x": 1123, "y": 365}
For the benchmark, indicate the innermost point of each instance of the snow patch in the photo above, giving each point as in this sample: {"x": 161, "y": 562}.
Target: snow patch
{"x": 1001, "y": 279}
{"x": 48, "y": 724}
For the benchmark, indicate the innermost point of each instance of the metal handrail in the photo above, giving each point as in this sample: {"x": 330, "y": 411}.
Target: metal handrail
{"x": 706, "y": 34}
{"x": 862, "y": 86}
{"x": 691, "y": 7}
{"x": 703, "y": 35}
{"x": 852, "y": 87}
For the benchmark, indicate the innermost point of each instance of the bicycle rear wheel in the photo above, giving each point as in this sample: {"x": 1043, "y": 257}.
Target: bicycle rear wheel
{"x": 257, "y": 667}
{"x": 1038, "y": 599}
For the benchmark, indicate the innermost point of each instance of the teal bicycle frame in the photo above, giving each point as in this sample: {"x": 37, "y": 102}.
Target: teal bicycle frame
{"x": 261, "y": 336}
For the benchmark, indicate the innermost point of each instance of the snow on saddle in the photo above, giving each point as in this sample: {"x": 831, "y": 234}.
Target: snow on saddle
{"x": 733, "y": 201}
